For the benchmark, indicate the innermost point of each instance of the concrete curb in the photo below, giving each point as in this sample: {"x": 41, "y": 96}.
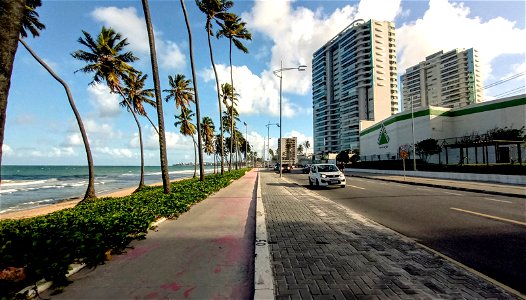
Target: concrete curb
{"x": 444, "y": 186}
{"x": 263, "y": 278}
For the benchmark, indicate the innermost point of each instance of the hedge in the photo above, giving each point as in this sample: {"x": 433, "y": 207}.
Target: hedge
{"x": 44, "y": 247}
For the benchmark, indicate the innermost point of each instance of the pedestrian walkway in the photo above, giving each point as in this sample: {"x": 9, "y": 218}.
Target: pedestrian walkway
{"x": 207, "y": 253}
{"x": 472, "y": 186}
{"x": 321, "y": 250}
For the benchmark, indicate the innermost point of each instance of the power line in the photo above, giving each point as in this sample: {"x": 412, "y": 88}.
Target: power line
{"x": 504, "y": 80}
{"x": 511, "y": 91}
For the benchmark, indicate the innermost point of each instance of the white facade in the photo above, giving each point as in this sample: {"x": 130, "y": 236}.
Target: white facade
{"x": 354, "y": 77}
{"x": 452, "y": 79}
{"x": 444, "y": 124}
{"x": 289, "y": 153}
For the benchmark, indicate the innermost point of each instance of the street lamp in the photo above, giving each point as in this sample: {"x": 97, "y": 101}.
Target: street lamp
{"x": 280, "y": 71}
{"x": 268, "y": 137}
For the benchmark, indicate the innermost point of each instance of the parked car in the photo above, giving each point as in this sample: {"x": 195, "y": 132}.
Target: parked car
{"x": 306, "y": 169}
{"x": 325, "y": 175}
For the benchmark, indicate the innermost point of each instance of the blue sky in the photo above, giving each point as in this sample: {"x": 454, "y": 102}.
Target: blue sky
{"x": 41, "y": 128}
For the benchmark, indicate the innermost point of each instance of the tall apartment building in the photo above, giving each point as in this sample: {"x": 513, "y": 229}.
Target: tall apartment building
{"x": 451, "y": 79}
{"x": 354, "y": 78}
{"x": 288, "y": 155}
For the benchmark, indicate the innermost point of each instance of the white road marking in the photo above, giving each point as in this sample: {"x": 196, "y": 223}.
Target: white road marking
{"x": 456, "y": 194}
{"x": 488, "y": 216}
{"x": 497, "y": 200}
{"x": 422, "y": 189}
{"x": 356, "y": 187}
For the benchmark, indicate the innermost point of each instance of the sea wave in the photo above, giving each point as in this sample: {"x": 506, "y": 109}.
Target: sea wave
{"x": 8, "y": 191}
{"x": 26, "y": 182}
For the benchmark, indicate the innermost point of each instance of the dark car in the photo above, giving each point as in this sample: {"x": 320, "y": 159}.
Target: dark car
{"x": 286, "y": 168}
{"x": 306, "y": 169}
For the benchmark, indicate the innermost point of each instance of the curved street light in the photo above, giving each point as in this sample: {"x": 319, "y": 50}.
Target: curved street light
{"x": 280, "y": 72}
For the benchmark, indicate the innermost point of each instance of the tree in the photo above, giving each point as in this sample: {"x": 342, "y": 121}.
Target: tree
{"x": 33, "y": 25}
{"x": 427, "y": 147}
{"x": 307, "y": 146}
{"x": 197, "y": 107}
{"x": 234, "y": 30}
{"x": 343, "y": 157}
{"x": 13, "y": 14}
{"x": 208, "y": 135}
{"x": 215, "y": 10}
{"x": 300, "y": 149}
{"x": 180, "y": 91}
{"x": 137, "y": 95}
{"x": 158, "y": 99}
{"x": 507, "y": 134}
{"x": 228, "y": 93}
{"x": 187, "y": 129}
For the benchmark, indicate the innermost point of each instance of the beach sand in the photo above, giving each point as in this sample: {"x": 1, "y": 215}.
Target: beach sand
{"x": 44, "y": 210}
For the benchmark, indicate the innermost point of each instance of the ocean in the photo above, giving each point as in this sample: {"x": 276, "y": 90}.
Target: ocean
{"x": 26, "y": 187}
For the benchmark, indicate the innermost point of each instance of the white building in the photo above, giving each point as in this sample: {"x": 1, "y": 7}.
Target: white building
{"x": 450, "y": 127}
{"x": 354, "y": 78}
{"x": 289, "y": 152}
{"x": 451, "y": 79}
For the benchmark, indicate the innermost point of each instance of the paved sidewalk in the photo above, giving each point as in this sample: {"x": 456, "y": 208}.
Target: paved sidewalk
{"x": 471, "y": 186}
{"x": 207, "y": 253}
{"x": 320, "y": 250}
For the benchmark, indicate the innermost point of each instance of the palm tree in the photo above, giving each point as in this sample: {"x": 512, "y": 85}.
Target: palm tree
{"x": 197, "y": 106}
{"x": 235, "y": 30}
{"x": 180, "y": 91}
{"x": 227, "y": 119}
{"x": 187, "y": 129}
{"x": 13, "y": 14}
{"x": 228, "y": 93}
{"x": 158, "y": 99}
{"x": 137, "y": 95}
{"x": 215, "y": 10}
{"x": 300, "y": 149}
{"x": 33, "y": 25}
{"x": 208, "y": 128}
{"x": 307, "y": 146}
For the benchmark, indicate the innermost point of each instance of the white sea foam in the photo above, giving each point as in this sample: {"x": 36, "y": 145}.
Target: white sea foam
{"x": 8, "y": 191}
{"x": 24, "y": 182}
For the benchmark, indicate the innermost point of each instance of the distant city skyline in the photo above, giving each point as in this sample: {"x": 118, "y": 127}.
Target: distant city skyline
{"x": 40, "y": 127}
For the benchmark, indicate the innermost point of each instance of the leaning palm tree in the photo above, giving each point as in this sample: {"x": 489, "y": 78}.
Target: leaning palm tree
{"x": 180, "y": 91}
{"x": 158, "y": 99}
{"x": 137, "y": 95}
{"x": 32, "y": 24}
{"x": 196, "y": 93}
{"x": 215, "y": 10}
{"x": 235, "y": 31}
{"x": 187, "y": 129}
{"x": 208, "y": 128}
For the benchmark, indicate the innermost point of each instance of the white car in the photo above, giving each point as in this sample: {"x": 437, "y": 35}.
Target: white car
{"x": 325, "y": 175}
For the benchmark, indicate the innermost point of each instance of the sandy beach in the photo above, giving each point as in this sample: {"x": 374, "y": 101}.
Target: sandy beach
{"x": 44, "y": 210}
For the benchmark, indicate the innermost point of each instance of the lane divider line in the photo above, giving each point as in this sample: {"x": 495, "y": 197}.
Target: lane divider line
{"x": 489, "y": 216}
{"x": 456, "y": 194}
{"x": 356, "y": 187}
{"x": 497, "y": 200}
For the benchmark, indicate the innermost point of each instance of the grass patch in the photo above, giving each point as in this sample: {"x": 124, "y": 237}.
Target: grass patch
{"x": 45, "y": 246}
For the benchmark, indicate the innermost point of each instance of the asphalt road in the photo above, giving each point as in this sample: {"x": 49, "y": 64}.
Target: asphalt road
{"x": 484, "y": 232}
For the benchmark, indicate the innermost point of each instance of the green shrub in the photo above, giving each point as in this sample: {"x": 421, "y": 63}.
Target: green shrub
{"x": 45, "y": 246}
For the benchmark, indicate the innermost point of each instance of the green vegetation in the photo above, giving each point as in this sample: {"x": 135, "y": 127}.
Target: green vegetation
{"x": 45, "y": 246}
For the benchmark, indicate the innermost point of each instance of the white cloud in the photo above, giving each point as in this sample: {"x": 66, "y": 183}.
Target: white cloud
{"x": 114, "y": 152}
{"x": 131, "y": 26}
{"x": 74, "y": 139}
{"x": 106, "y": 104}
{"x": 6, "y": 150}
{"x": 383, "y": 10}
{"x": 174, "y": 141}
{"x": 446, "y": 26}
{"x": 54, "y": 152}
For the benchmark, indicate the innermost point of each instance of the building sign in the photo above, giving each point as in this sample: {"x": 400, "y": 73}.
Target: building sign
{"x": 383, "y": 138}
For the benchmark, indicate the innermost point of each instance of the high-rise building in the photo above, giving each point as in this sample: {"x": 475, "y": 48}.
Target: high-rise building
{"x": 354, "y": 78}
{"x": 288, "y": 155}
{"x": 451, "y": 79}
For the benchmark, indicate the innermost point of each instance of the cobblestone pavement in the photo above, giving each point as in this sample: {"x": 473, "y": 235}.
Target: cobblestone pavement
{"x": 320, "y": 250}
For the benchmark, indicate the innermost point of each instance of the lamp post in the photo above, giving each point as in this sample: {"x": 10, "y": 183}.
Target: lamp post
{"x": 280, "y": 71}
{"x": 268, "y": 137}
{"x": 413, "y": 133}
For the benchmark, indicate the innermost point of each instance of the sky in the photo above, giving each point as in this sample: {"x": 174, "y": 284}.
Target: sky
{"x": 41, "y": 128}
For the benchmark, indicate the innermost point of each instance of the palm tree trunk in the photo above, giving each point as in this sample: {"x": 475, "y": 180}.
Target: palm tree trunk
{"x": 151, "y": 122}
{"x": 11, "y": 20}
{"x": 195, "y": 156}
{"x": 158, "y": 100}
{"x": 218, "y": 96}
{"x": 90, "y": 191}
{"x": 130, "y": 108}
{"x": 196, "y": 94}
{"x": 232, "y": 111}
